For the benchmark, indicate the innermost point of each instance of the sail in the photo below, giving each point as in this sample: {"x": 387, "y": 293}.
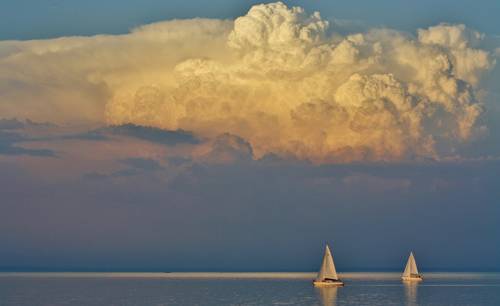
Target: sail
{"x": 327, "y": 267}
{"x": 411, "y": 266}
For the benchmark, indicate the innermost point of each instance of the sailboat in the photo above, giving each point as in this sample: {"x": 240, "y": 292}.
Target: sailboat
{"x": 327, "y": 275}
{"x": 411, "y": 272}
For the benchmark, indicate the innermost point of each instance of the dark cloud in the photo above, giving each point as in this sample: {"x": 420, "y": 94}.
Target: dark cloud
{"x": 155, "y": 135}
{"x": 157, "y": 214}
{"x": 214, "y": 216}
{"x": 230, "y": 148}
{"x": 144, "y": 164}
{"x": 96, "y": 135}
{"x": 12, "y": 134}
{"x": 127, "y": 172}
{"x": 151, "y": 134}
{"x": 135, "y": 166}
{"x": 95, "y": 176}
{"x": 14, "y": 124}
{"x": 10, "y": 124}
{"x": 179, "y": 160}
{"x": 9, "y": 145}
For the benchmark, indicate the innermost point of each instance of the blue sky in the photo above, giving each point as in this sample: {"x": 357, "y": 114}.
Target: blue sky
{"x": 243, "y": 146}
{"x": 28, "y": 19}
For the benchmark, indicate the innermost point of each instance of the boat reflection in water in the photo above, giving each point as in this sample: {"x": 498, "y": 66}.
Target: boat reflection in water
{"x": 411, "y": 293}
{"x": 327, "y": 295}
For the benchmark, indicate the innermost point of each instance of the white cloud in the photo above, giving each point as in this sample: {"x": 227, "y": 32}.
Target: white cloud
{"x": 274, "y": 77}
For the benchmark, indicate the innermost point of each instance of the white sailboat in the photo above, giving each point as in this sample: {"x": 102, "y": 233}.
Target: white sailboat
{"x": 411, "y": 272}
{"x": 327, "y": 275}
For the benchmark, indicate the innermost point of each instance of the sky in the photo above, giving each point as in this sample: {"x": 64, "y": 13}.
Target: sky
{"x": 31, "y": 19}
{"x": 244, "y": 135}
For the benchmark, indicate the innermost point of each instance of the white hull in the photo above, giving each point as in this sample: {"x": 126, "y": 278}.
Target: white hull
{"x": 412, "y": 278}
{"x": 337, "y": 283}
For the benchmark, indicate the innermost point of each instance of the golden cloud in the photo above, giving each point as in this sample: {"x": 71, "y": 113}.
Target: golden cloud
{"x": 277, "y": 77}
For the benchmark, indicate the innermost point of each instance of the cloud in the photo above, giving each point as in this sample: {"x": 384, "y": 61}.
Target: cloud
{"x": 16, "y": 124}
{"x": 15, "y": 132}
{"x": 283, "y": 80}
{"x": 229, "y": 148}
{"x": 134, "y": 166}
{"x": 274, "y": 26}
{"x": 9, "y": 145}
{"x": 144, "y": 164}
{"x": 10, "y": 124}
{"x": 375, "y": 184}
{"x": 150, "y": 134}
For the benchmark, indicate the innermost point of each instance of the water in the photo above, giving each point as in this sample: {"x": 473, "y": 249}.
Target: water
{"x": 244, "y": 289}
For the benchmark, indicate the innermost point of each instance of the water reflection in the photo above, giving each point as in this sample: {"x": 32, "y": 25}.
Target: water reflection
{"x": 328, "y": 295}
{"x": 411, "y": 292}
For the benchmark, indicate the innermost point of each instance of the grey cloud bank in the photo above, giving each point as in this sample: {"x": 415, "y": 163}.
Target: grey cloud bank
{"x": 374, "y": 214}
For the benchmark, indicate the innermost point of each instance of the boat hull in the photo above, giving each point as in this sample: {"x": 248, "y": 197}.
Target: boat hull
{"x": 337, "y": 283}
{"x": 412, "y": 279}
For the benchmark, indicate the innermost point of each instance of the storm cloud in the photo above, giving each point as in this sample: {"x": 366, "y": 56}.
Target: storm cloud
{"x": 278, "y": 77}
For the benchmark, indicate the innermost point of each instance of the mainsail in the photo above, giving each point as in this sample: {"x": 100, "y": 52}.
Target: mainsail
{"x": 327, "y": 267}
{"x": 411, "y": 267}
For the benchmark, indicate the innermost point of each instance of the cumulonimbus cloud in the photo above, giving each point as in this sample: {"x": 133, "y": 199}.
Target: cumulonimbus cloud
{"x": 278, "y": 77}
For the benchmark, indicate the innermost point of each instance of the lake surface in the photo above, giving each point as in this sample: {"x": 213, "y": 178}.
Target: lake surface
{"x": 244, "y": 289}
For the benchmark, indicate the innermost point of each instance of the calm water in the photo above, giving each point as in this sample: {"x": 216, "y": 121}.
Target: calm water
{"x": 244, "y": 289}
